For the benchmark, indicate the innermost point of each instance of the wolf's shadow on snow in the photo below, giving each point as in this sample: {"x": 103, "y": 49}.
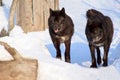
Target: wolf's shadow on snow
{"x": 79, "y": 52}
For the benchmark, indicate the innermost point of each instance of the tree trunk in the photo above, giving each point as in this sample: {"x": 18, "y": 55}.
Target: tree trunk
{"x": 32, "y": 15}
{"x": 12, "y": 13}
{"x": 25, "y": 14}
{"x": 0, "y": 2}
{"x": 56, "y": 4}
{"x": 38, "y": 22}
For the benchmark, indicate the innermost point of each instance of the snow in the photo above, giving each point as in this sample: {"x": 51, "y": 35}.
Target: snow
{"x": 38, "y": 45}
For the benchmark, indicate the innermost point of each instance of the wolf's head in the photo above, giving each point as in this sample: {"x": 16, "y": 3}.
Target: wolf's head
{"x": 57, "y": 20}
{"x": 94, "y": 16}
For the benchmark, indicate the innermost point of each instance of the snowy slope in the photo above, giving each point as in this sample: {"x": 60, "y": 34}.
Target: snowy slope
{"x": 38, "y": 45}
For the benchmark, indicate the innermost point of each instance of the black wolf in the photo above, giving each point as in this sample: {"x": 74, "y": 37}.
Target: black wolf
{"x": 61, "y": 29}
{"x": 99, "y": 32}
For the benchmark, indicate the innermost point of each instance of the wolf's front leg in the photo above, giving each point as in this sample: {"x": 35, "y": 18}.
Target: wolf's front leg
{"x": 67, "y": 51}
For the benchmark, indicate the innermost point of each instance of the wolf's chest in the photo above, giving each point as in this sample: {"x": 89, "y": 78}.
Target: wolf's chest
{"x": 98, "y": 44}
{"x": 62, "y": 39}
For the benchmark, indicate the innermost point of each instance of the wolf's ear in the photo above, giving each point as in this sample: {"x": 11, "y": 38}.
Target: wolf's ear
{"x": 63, "y": 12}
{"x": 51, "y": 12}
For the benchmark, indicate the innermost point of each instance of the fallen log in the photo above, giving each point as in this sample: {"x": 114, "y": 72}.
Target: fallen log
{"x": 19, "y": 68}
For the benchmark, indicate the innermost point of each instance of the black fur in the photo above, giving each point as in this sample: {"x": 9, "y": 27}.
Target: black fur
{"x": 61, "y": 29}
{"x": 99, "y": 32}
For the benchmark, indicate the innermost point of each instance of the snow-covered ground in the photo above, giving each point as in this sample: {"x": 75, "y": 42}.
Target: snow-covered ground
{"x": 38, "y": 45}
